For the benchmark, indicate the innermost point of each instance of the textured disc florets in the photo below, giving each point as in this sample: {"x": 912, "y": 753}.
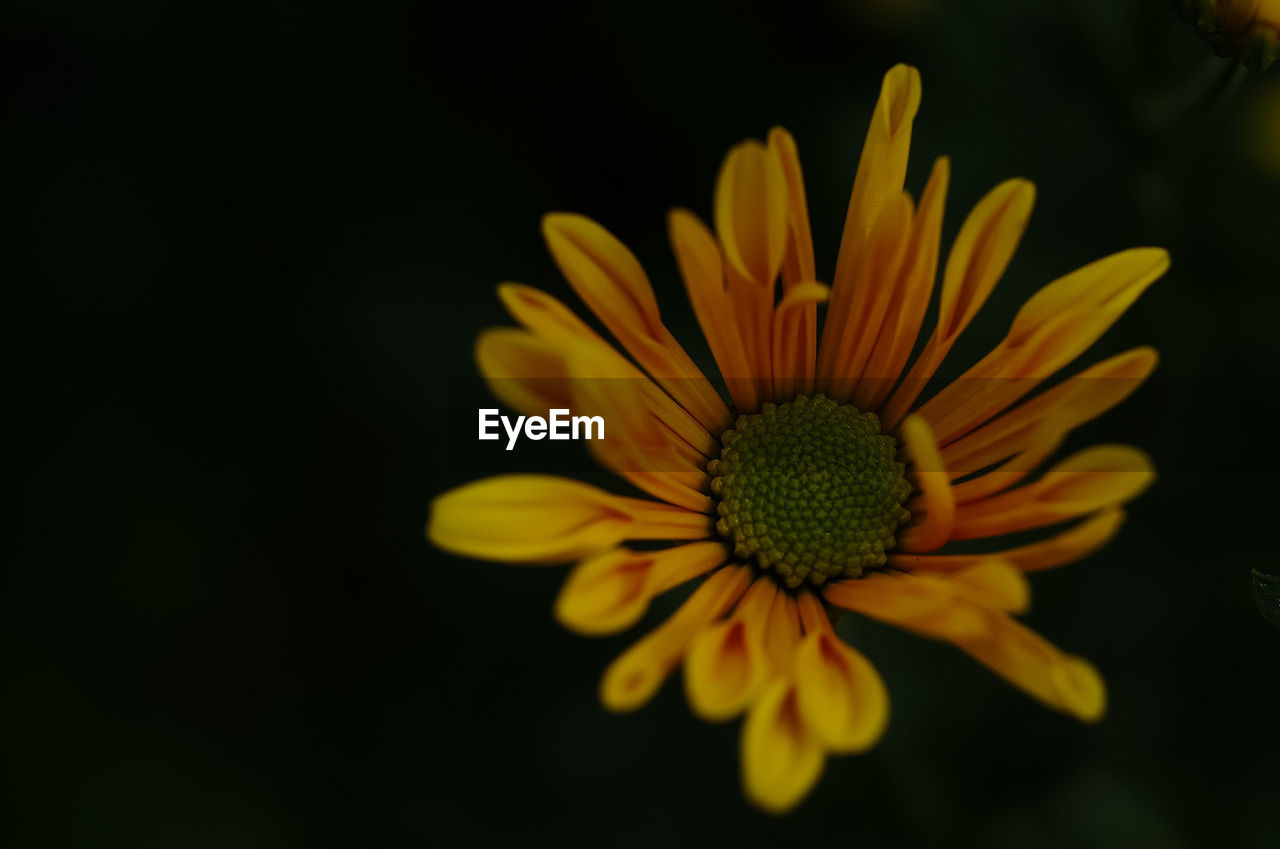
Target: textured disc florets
{"x": 810, "y": 489}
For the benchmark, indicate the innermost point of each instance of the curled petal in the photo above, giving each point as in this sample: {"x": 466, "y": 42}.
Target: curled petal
{"x": 751, "y": 212}
{"x": 609, "y": 592}
{"x": 782, "y": 758}
{"x": 726, "y": 662}
{"x": 793, "y": 341}
{"x": 635, "y": 675}
{"x": 935, "y": 484}
{"x": 541, "y": 518}
{"x": 841, "y": 696}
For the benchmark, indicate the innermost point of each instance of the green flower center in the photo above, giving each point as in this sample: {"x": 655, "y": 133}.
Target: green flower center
{"x": 810, "y": 489}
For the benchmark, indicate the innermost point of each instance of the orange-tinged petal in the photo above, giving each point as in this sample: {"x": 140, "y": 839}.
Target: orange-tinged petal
{"x": 853, "y": 323}
{"x": 725, "y": 665}
{"x": 979, "y": 257}
{"x": 793, "y": 340}
{"x": 1052, "y": 329}
{"x": 612, "y": 283}
{"x": 782, "y": 758}
{"x": 524, "y": 372}
{"x": 991, "y": 583}
{"x": 703, "y": 272}
{"x": 1070, "y": 545}
{"x": 841, "y": 696}
{"x": 882, "y": 167}
{"x": 1097, "y": 478}
{"x": 609, "y": 592}
{"x": 1033, "y": 664}
{"x": 1081, "y": 398}
{"x": 546, "y": 317}
{"x": 1110, "y": 284}
{"x": 1041, "y": 444}
{"x": 933, "y": 608}
{"x": 800, "y": 328}
{"x": 638, "y": 442}
{"x": 552, "y": 321}
{"x": 910, "y": 296}
{"x": 635, "y": 675}
{"x": 726, "y": 662}
{"x": 782, "y": 633}
{"x": 541, "y": 518}
{"x": 798, "y": 265}
{"x": 935, "y": 484}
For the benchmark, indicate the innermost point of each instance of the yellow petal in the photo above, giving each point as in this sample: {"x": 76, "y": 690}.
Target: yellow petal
{"x": 1052, "y": 329}
{"x": 979, "y": 257}
{"x": 991, "y": 583}
{"x": 553, "y": 322}
{"x": 1097, "y": 478}
{"x": 854, "y": 320}
{"x": 751, "y": 212}
{"x": 751, "y": 221}
{"x": 1110, "y": 284}
{"x": 547, "y": 317}
{"x": 524, "y": 372}
{"x": 703, "y": 273}
{"x": 935, "y": 484}
{"x": 633, "y": 678}
{"x": 609, "y": 592}
{"x": 930, "y": 607}
{"x": 798, "y": 265}
{"x": 781, "y": 758}
{"x": 726, "y": 663}
{"x": 638, "y": 443}
{"x": 1033, "y": 664}
{"x": 793, "y": 341}
{"x": 841, "y": 696}
{"x": 1082, "y": 398}
{"x": 1070, "y": 545}
{"x": 540, "y": 518}
{"x": 910, "y": 296}
{"x": 882, "y": 167}
{"x": 782, "y": 633}
{"x": 1046, "y": 439}
{"x": 611, "y": 282}
{"x": 800, "y": 327}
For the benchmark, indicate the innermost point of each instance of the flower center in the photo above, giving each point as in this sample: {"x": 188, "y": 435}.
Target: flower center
{"x": 810, "y": 489}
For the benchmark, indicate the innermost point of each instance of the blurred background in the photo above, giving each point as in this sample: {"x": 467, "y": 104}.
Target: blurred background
{"x": 254, "y": 243}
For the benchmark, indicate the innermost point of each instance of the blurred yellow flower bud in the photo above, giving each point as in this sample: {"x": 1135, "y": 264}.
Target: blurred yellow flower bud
{"x": 1248, "y": 30}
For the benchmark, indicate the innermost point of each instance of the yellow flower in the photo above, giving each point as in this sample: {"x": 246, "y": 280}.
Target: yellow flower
{"x": 1248, "y": 30}
{"x": 832, "y": 487}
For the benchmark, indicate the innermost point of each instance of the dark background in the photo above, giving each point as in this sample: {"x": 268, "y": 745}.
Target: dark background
{"x": 253, "y": 245}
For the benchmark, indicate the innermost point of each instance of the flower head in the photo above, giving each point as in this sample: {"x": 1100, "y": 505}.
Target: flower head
{"x": 1248, "y": 30}
{"x": 829, "y": 486}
